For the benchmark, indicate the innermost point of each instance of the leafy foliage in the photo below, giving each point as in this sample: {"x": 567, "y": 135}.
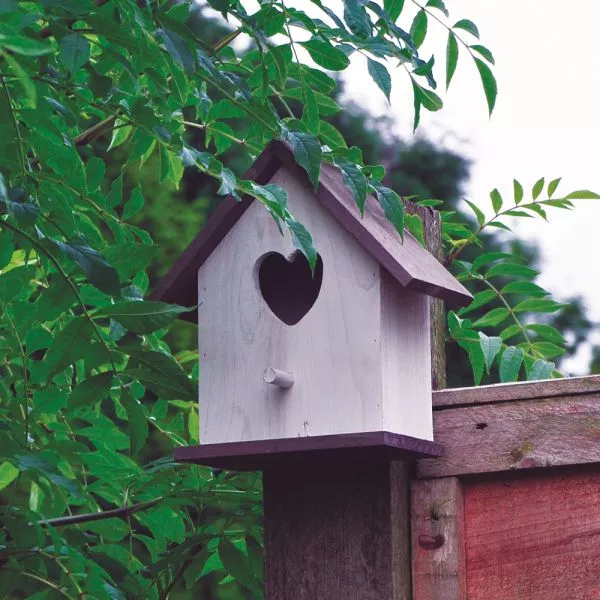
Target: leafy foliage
{"x": 508, "y": 300}
{"x": 90, "y": 392}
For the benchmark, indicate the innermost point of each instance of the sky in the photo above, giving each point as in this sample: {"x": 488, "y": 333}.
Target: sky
{"x": 546, "y": 123}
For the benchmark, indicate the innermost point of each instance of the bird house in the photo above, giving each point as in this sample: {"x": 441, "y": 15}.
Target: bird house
{"x": 331, "y": 358}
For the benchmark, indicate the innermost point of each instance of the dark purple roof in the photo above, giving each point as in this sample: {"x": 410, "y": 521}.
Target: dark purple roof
{"x": 407, "y": 261}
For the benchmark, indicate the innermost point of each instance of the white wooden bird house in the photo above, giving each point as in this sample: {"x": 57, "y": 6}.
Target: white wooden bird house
{"x": 285, "y": 354}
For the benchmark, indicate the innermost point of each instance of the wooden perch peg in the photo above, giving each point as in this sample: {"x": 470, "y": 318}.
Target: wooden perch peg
{"x": 281, "y": 379}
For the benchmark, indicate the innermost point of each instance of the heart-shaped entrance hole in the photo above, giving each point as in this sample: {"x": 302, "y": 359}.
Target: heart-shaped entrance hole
{"x": 288, "y": 286}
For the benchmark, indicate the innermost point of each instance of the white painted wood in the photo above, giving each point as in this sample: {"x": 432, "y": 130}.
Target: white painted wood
{"x": 405, "y": 360}
{"x": 335, "y": 352}
{"x": 281, "y": 379}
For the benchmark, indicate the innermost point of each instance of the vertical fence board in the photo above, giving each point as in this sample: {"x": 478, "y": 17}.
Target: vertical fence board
{"x": 534, "y": 537}
{"x": 438, "y": 550}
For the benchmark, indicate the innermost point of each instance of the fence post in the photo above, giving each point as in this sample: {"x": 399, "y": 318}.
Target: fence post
{"x": 343, "y": 531}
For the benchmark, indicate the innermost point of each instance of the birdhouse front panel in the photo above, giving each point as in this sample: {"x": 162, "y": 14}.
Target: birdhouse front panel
{"x": 284, "y": 353}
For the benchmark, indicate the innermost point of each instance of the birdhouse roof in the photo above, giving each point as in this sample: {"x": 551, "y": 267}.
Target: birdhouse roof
{"x": 412, "y": 265}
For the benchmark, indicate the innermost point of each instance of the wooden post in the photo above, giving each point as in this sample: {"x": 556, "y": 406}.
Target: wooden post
{"x": 437, "y": 522}
{"x": 337, "y": 531}
{"x": 438, "y": 549}
{"x": 342, "y": 530}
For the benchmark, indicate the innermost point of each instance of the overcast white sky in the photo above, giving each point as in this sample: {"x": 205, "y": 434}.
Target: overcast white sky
{"x": 546, "y": 123}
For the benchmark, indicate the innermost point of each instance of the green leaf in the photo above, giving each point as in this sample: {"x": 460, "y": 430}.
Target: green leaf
{"x": 477, "y": 211}
{"x": 355, "y": 181}
{"x": 310, "y": 114}
{"x": 273, "y": 197}
{"x": 134, "y": 204}
{"x": 512, "y": 269}
{"x": 510, "y": 364}
{"x": 510, "y": 331}
{"x": 177, "y": 47}
{"x": 547, "y": 332}
{"x": 90, "y": 391}
{"x": 24, "y": 45}
{"x": 303, "y": 241}
{"x": 74, "y": 52}
{"x": 483, "y": 51}
{"x": 222, "y": 134}
{"x": 552, "y": 186}
{"x": 143, "y": 316}
{"x": 392, "y": 205}
{"x": 480, "y": 299}
{"x": 49, "y": 400}
{"x": 160, "y": 374}
{"x": 393, "y": 8}
{"x": 95, "y": 170}
{"x": 548, "y": 349}
{"x": 490, "y": 346}
{"x": 488, "y": 81}
{"x": 238, "y": 565}
{"x": 451, "y": 57}
{"x": 493, "y": 318}
{"x": 326, "y": 55}
{"x": 24, "y": 79}
{"x": 70, "y": 344}
{"x": 429, "y": 99}
{"x": 583, "y": 195}
{"x": 380, "y": 76}
{"x": 541, "y": 369}
{"x": 418, "y": 29}
{"x": 331, "y": 136}
{"x": 24, "y": 213}
{"x": 93, "y": 264}
{"x": 496, "y": 199}
{"x": 414, "y": 224}
{"x": 439, "y": 4}
{"x": 538, "y": 188}
{"x": 136, "y": 420}
{"x": 467, "y": 25}
{"x": 307, "y": 152}
{"x": 357, "y": 19}
{"x": 541, "y": 305}
{"x": 120, "y": 133}
{"x": 473, "y": 348}
{"x": 526, "y": 288}
{"x": 8, "y": 473}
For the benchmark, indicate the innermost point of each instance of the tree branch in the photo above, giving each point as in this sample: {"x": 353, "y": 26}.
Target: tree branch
{"x": 98, "y": 516}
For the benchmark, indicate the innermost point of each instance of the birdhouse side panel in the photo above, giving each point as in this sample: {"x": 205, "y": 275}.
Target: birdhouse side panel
{"x": 406, "y": 360}
{"x": 332, "y": 352}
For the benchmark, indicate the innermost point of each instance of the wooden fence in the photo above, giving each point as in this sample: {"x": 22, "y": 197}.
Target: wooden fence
{"x": 512, "y": 511}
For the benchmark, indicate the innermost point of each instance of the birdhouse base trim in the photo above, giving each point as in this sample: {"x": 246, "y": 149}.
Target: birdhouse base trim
{"x": 259, "y": 455}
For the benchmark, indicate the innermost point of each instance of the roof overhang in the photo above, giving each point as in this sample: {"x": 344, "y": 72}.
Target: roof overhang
{"x": 412, "y": 265}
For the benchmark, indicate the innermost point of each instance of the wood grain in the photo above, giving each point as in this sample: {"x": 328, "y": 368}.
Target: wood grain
{"x": 432, "y": 227}
{"x": 361, "y": 351}
{"x": 438, "y": 549}
{"x": 333, "y": 352}
{"x": 405, "y": 360}
{"x": 337, "y": 533}
{"x": 555, "y": 431}
{"x": 503, "y": 392}
{"x": 534, "y": 538}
